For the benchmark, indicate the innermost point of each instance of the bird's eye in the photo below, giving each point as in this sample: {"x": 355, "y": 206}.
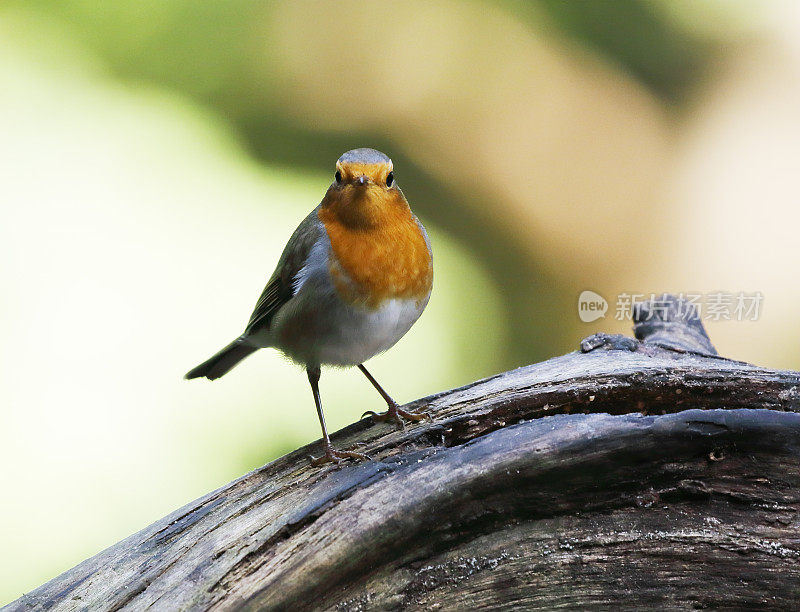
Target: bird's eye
{"x": 338, "y": 176}
{"x": 389, "y": 179}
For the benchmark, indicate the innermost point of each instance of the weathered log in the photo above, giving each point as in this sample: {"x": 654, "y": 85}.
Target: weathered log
{"x": 632, "y": 473}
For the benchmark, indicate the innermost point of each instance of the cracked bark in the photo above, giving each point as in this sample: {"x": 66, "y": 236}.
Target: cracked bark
{"x": 631, "y": 473}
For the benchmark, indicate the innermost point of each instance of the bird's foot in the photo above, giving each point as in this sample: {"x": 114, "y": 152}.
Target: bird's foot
{"x": 397, "y": 415}
{"x": 337, "y": 456}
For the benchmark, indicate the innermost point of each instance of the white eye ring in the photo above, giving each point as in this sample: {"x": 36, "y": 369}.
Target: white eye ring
{"x": 390, "y": 179}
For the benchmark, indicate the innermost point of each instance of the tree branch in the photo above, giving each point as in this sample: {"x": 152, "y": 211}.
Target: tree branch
{"x": 633, "y": 472}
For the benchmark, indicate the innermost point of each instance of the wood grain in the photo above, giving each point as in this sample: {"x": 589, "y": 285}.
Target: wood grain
{"x": 624, "y": 475}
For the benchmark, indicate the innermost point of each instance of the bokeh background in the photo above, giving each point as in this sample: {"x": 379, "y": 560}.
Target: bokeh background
{"x": 156, "y": 154}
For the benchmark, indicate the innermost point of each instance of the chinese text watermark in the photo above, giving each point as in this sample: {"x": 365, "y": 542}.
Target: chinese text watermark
{"x": 710, "y": 306}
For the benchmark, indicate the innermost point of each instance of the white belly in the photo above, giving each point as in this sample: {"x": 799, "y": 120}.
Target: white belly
{"x": 367, "y": 333}
{"x": 331, "y": 332}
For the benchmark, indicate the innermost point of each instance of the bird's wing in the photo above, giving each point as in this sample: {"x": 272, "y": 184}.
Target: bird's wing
{"x": 281, "y": 286}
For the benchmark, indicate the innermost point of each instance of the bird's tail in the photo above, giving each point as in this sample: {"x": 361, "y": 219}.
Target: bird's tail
{"x": 224, "y": 361}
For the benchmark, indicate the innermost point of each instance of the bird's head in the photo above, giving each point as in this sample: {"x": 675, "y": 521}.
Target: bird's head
{"x": 363, "y": 188}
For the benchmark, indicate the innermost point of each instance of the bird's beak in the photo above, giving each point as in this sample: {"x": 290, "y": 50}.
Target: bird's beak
{"x": 362, "y": 180}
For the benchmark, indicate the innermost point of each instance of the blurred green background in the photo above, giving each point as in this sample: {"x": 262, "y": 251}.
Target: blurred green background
{"x": 156, "y": 155}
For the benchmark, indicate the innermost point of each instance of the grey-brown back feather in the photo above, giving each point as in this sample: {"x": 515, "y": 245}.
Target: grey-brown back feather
{"x": 279, "y": 290}
{"x": 280, "y": 287}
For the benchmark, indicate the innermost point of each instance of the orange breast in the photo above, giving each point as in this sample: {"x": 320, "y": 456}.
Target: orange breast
{"x": 382, "y": 259}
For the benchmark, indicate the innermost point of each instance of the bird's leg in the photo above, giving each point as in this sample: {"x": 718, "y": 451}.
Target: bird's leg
{"x": 395, "y": 414}
{"x": 331, "y": 455}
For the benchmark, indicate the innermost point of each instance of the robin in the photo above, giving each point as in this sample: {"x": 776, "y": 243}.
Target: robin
{"x": 352, "y": 280}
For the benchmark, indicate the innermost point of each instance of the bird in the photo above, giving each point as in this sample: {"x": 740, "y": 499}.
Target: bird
{"x": 353, "y": 278}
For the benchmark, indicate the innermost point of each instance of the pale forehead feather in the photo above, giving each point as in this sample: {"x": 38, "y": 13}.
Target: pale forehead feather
{"x": 364, "y": 156}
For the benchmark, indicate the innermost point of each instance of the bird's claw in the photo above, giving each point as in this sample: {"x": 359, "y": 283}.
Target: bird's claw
{"x": 337, "y": 456}
{"x": 397, "y": 415}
